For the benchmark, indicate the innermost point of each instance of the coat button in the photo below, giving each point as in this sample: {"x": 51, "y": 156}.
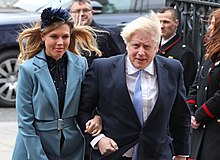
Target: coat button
{"x": 141, "y": 132}
{"x": 195, "y": 105}
{"x": 218, "y": 120}
{"x": 205, "y": 88}
{"x": 203, "y": 126}
{"x": 197, "y": 87}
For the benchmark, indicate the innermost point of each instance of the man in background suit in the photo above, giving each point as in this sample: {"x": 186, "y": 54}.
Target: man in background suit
{"x": 132, "y": 131}
{"x": 172, "y": 46}
{"x": 109, "y": 42}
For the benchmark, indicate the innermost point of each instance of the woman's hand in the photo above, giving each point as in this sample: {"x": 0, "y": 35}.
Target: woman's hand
{"x": 194, "y": 124}
{"x": 94, "y": 126}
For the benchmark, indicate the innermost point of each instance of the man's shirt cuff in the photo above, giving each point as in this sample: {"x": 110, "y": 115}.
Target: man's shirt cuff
{"x": 96, "y": 140}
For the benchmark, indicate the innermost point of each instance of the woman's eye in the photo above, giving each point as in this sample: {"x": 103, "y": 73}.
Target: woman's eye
{"x": 65, "y": 37}
{"x": 54, "y": 37}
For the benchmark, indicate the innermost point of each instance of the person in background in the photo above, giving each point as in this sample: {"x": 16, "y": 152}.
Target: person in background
{"x": 172, "y": 46}
{"x": 139, "y": 123}
{"x": 108, "y": 41}
{"x": 49, "y": 84}
{"x": 204, "y": 97}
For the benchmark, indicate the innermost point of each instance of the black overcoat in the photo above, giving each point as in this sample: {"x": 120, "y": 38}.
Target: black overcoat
{"x": 109, "y": 42}
{"x": 176, "y": 49}
{"x": 204, "y": 100}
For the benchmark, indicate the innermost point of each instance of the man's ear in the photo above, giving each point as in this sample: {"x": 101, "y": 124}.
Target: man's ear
{"x": 92, "y": 11}
{"x": 177, "y": 22}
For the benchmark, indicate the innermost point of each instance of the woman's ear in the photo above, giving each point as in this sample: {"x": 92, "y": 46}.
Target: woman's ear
{"x": 42, "y": 37}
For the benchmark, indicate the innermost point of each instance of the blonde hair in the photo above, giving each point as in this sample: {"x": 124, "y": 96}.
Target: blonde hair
{"x": 81, "y": 38}
{"x": 149, "y": 23}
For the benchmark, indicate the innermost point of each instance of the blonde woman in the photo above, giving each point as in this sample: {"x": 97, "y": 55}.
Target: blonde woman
{"x": 49, "y": 85}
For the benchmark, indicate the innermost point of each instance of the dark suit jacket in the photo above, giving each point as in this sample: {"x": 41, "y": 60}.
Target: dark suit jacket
{"x": 105, "y": 87}
{"x": 109, "y": 42}
{"x": 175, "y": 48}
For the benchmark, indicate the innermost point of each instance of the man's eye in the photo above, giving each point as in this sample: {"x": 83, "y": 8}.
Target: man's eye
{"x": 76, "y": 11}
{"x": 135, "y": 45}
{"x": 86, "y": 10}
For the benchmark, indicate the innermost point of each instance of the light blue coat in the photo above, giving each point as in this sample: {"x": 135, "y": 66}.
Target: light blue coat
{"x": 37, "y": 101}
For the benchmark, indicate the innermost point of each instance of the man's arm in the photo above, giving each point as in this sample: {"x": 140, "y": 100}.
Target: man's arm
{"x": 88, "y": 99}
{"x": 180, "y": 119}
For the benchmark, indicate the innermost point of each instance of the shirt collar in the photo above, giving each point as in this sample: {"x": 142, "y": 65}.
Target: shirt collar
{"x": 131, "y": 69}
{"x": 165, "y": 41}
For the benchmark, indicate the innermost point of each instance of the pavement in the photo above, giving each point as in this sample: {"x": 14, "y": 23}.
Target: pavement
{"x": 8, "y": 132}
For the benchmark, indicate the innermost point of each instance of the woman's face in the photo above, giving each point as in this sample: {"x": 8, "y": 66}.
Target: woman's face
{"x": 57, "y": 41}
{"x": 212, "y": 25}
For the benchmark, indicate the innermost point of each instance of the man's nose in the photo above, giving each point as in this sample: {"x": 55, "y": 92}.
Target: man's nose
{"x": 141, "y": 51}
{"x": 162, "y": 24}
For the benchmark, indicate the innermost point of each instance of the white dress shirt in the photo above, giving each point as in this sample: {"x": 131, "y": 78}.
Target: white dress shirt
{"x": 149, "y": 87}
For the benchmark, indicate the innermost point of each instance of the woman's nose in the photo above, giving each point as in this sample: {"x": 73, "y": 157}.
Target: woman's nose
{"x": 60, "y": 40}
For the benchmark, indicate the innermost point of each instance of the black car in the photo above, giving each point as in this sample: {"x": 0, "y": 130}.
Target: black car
{"x": 11, "y": 23}
{"x": 111, "y": 14}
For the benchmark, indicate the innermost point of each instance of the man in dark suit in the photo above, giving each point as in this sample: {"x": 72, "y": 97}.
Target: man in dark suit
{"x": 172, "y": 46}
{"x": 109, "y": 42}
{"x": 130, "y": 130}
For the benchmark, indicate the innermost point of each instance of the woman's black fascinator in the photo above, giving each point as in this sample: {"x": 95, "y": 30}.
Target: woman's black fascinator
{"x": 49, "y": 16}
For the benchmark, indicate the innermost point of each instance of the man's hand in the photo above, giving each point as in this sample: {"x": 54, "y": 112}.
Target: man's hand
{"x": 94, "y": 126}
{"x": 179, "y": 158}
{"x": 194, "y": 124}
{"x": 107, "y": 146}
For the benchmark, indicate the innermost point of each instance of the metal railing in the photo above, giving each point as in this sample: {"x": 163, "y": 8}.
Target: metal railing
{"x": 194, "y": 22}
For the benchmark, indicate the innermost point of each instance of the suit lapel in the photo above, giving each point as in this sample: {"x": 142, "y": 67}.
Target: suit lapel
{"x": 162, "y": 76}
{"x": 46, "y": 81}
{"x": 118, "y": 74}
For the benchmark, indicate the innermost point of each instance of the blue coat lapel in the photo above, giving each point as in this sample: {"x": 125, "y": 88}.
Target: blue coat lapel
{"x": 74, "y": 78}
{"x": 74, "y": 75}
{"x": 46, "y": 81}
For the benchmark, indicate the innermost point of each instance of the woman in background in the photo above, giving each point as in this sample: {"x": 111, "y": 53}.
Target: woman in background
{"x": 204, "y": 97}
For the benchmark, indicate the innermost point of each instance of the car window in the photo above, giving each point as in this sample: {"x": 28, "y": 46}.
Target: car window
{"x": 130, "y": 6}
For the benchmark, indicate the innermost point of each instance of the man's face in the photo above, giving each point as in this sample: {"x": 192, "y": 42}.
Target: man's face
{"x": 141, "y": 50}
{"x": 168, "y": 24}
{"x": 82, "y": 13}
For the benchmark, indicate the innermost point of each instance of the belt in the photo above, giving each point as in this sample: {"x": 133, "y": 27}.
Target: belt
{"x": 58, "y": 124}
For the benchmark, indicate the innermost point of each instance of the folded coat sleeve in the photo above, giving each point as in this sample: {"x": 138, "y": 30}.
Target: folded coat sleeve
{"x": 210, "y": 109}
{"x": 192, "y": 96}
